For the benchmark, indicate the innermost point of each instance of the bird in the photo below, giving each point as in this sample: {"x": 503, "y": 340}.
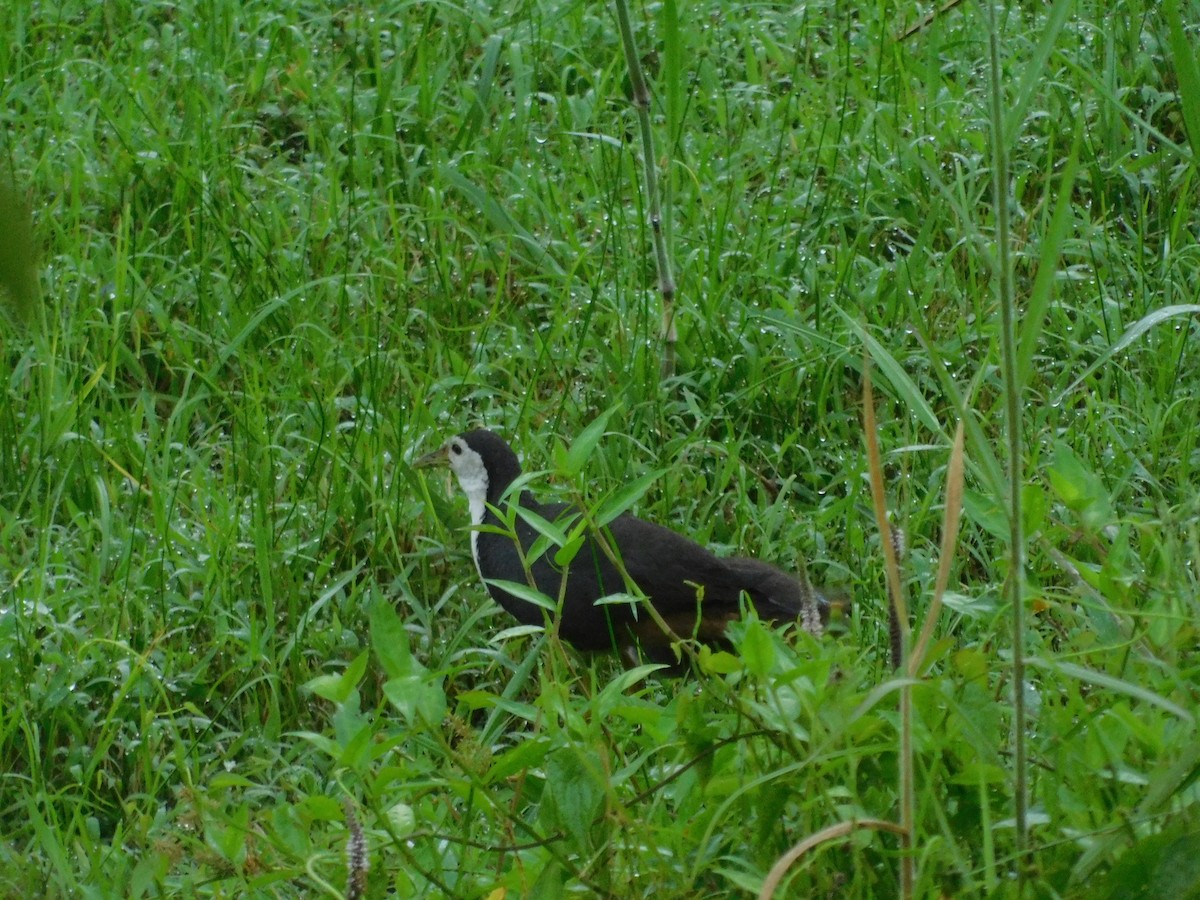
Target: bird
{"x": 694, "y": 592}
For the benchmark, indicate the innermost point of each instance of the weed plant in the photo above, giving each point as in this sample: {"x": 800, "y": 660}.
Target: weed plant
{"x": 286, "y": 247}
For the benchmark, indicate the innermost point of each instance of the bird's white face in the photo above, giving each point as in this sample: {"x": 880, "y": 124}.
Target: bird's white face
{"x": 471, "y": 474}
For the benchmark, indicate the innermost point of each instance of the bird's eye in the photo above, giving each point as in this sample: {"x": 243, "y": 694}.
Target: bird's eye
{"x": 456, "y": 448}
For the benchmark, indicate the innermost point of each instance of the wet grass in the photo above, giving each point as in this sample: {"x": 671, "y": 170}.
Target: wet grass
{"x": 286, "y": 249}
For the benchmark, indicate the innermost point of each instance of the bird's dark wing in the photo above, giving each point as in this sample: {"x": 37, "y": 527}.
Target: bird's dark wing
{"x": 696, "y": 592}
{"x": 589, "y": 576}
{"x": 683, "y": 579}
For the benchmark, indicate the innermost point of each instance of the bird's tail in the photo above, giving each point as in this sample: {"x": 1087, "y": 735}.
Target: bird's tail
{"x": 778, "y": 595}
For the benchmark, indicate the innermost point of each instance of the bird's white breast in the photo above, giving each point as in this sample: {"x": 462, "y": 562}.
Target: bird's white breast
{"x": 477, "y": 508}
{"x": 473, "y": 479}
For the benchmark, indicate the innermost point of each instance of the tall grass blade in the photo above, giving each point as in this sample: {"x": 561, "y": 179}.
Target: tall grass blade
{"x": 879, "y": 504}
{"x": 1043, "y": 285}
{"x": 18, "y": 280}
{"x": 954, "y": 497}
{"x": 498, "y": 217}
{"x": 904, "y": 387}
{"x": 1031, "y": 80}
{"x": 1187, "y": 71}
{"x": 473, "y": 121}
{"x": 1135, "y": 331}
{"x": 1012, "y": 407}
{"x": 899, "y": 628}
{"x": 1120, "y": 685}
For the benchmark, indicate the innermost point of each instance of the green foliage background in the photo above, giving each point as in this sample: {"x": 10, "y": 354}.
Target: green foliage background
{"x": 284, "y": 247}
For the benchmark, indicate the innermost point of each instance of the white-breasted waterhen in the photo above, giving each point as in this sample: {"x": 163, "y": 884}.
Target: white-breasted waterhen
{"x": 695, "y": 592}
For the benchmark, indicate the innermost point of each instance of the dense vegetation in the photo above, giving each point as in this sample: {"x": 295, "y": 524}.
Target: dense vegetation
{"x": 285, "y": 247}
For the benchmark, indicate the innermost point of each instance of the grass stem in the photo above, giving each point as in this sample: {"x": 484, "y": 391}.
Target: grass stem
{"x": 1012, "y": 410}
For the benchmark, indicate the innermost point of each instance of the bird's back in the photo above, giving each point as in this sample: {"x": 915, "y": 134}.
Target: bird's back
{"x": 680, "y": 577}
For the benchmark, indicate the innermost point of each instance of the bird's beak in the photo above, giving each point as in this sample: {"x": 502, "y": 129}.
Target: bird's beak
{"x": 437, "y": 458}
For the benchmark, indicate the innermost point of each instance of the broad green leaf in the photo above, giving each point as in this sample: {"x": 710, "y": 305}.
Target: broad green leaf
{"x": 528, "y": 754}
{"x": 758, "y": 649}
{"x": 574, "y": 794}
{"x": 322, "y": 742}
{"x": 542, "y": 525}
{"x": 1033, "y": 507}
{"x": 973, "y": 607}
{"x": 1080, "y": 489}
{"x": 337, "y": 688}
{"x": 614, "y": 693}
{"x": 572, "y": 462}
{"x": 225, "y": 780}
{"x": 229, "y": 838}
{"x": 549, "y": 534}
{"x": 321, "y": 808}
{"x": 1165, "y": 865}
{"x": 549, "y": 884}
{"x": 986, "y": 511}
{"x": 621, "y": 500}
{"x": 289, "y": 829}
{"x": 516, "y": 631}
{"x": 402, "y": 818}
{"x": 355, "y": 751}
{"x": 348, "y": 719}
{"x": 419, "y": 698}
{"x": 327, "y": 687}
{"x": 389, "y": 640}
{"x": 540, "y": 547}
{"x": 567, "y": 552}
{"x": 971, "y": 663}
{"x": 473, "y": 700}
{"x": 617, "y": 599}
{"x": 719, "y": 662}
{"x": 524, "y": 592}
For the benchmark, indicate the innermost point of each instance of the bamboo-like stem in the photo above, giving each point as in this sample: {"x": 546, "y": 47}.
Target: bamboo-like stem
{"x": 1012, "y": 408}
{"x": 662, "y": 259}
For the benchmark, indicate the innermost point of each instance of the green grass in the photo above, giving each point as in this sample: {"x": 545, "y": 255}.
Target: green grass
{"x": 286, "y": 249}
